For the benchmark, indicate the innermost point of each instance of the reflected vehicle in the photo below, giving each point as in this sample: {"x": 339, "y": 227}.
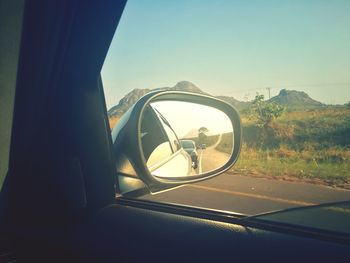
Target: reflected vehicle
{"x": 161, "y": 148}
{"x": 204, "y": 146}
{"x": 190, "y": 148}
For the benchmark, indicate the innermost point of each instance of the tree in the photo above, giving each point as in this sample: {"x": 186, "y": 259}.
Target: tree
{"x": 202, "y": 135}
{"x": 265, "y": 112}
{"x": 203, "y": 130}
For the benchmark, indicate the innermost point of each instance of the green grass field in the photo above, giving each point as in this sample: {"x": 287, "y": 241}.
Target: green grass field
{"x": 310, "y": 145}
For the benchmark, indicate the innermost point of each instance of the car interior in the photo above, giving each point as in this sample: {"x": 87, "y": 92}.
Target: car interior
{"x": 60, "y": 200}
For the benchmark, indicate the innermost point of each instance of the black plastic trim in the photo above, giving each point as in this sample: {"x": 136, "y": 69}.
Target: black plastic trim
{"x": 236, "y": 218}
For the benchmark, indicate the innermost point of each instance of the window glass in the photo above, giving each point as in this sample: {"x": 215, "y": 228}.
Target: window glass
{"x": 187, "y": 144}
{"x": 174, "y": 142}
{"x": 284, "y": 65}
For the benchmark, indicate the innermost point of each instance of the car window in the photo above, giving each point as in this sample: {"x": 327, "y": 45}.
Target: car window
{"x": 187, "y": 144}
{"x": 282, "y": 64}
{"x": 174, "y": 142}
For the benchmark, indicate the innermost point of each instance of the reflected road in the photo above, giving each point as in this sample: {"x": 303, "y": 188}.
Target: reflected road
{"x": 211, "y": 159}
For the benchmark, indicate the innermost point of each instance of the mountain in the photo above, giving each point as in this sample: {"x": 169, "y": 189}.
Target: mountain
{"x": 133, "y": 96}
{"x": 293, "y": 99}
{"x": 239, "y": 105}
{"x": 190, "y": 134}
{"x": 185, "y": 86}
{"x": 126, "y": 102}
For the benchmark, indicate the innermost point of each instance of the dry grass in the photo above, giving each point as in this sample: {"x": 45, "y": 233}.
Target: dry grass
{"x": 310, "y": 145}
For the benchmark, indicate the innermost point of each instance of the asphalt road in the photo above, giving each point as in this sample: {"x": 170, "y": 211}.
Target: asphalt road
{"x": 250, "y": 195}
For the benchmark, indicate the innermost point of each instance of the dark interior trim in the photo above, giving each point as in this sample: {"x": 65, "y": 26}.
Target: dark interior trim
{"x": 238, "y": 219}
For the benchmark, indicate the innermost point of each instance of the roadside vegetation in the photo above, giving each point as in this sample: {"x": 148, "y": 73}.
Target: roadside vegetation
{"x": 298, "y": 145}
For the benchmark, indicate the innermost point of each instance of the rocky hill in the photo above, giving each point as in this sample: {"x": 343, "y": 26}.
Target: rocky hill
{"x": 184, "y": 86}
{"x": 126, "y": 102}
{"x": 239, "y": 105}
{"x": 133, "y": 96}
{"x": 291, "y": 99}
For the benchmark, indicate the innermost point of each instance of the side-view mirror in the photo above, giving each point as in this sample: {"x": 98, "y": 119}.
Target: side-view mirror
{"x": 170, "y": 138}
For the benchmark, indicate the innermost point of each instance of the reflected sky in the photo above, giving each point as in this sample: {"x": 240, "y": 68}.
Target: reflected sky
{"x": 186, "y": 118}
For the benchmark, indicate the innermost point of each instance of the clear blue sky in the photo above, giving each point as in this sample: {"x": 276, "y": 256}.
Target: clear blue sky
{"x": 234, "y": 48}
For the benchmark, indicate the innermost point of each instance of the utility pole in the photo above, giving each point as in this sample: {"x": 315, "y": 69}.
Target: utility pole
{"x": 268, "y": 88}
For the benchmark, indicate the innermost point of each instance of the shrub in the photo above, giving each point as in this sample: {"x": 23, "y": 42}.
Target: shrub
{"x": 265, "y": 112}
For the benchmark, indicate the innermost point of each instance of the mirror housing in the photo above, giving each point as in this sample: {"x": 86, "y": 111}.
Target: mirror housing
{"x": 133, "y": 176}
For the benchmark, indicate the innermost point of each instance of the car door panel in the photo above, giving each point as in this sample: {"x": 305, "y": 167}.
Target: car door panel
{"x": 131, "y": 234}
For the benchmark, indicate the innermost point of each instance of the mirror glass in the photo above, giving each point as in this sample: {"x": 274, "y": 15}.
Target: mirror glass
{"x": 183, "y": 139}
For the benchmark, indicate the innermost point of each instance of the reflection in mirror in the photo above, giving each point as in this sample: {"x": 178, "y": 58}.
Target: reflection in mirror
{"x": 183, "y": 139}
